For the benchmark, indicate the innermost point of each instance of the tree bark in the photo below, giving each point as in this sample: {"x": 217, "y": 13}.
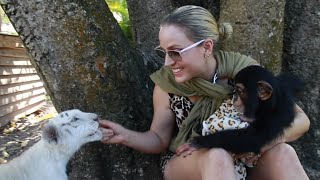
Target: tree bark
{"x": 301, "y": 57}
{"x": 0, "y": 22}
{"x": 258, "y": 29}
{"x": 145, "y": 16}
{"x": 87, "y": 63}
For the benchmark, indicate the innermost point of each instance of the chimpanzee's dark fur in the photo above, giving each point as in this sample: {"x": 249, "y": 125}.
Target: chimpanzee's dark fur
{"x": 272, "y": 116}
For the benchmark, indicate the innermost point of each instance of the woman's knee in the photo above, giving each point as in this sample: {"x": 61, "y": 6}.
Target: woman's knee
{"x": 217, "y": 157}
{"x": 213, "y": 158}
{"x": 194, "y": 166}
{"x": 282, "y": 151}
{"x": 279, "y": 162}
{"x": 217, "y": 164}
{"x": 183, "y": 167}
{"x": 167, "y": 172}
{"x": 280, "y": 157}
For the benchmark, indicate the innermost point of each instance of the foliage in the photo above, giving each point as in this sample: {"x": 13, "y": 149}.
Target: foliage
{"x": 3, "y": 16}
{"x": 120, "y": 12}
{"x": 117, "y": 7}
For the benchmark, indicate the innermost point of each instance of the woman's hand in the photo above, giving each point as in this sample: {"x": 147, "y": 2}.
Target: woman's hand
{"x": 113, "y": 133}
{"x": 185, "y": 149}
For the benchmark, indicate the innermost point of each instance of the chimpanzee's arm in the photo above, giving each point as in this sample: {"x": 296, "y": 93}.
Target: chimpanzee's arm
{"x": 250, "y": 139}
{"x": 237, "y": 140}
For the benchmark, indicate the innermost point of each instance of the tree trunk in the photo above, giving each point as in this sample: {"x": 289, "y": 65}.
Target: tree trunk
{"x": 301, "y": 57}
{"x": 258, "y": 29}
{"x": 0, "y": 21}
{"x": 145, "y": 16}
{"x": 86, "y": 62}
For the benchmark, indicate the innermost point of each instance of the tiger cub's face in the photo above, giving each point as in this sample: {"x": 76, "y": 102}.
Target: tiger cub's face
{"x": 72, "y": 128}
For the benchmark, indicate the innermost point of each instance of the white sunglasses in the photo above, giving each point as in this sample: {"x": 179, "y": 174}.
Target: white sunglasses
{"x": 175, "y": 54}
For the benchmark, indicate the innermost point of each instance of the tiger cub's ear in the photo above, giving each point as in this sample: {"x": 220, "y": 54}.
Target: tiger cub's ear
{"x": 50, "y": 134}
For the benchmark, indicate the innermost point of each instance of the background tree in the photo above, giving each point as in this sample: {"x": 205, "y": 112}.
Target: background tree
{"x": 301, "y": 57}
{"x": 120, "y": 12}
{"x": 87, "y": 62}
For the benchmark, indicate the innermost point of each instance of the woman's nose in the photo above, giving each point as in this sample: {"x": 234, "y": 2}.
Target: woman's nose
{"x": 168, "y": 61}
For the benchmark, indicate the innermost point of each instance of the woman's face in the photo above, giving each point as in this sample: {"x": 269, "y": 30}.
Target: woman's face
{"x": 192, "y": 62}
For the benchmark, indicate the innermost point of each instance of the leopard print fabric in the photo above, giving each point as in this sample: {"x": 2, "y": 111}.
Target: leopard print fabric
{"x": 226, "y": 117}
{"x": 181, "y": 106}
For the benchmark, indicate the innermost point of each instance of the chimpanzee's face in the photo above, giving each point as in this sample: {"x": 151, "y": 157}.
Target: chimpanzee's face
{"x": 246, "y": 101}
{"x": 252, "y": 88}
{"x": 239, "y": 97}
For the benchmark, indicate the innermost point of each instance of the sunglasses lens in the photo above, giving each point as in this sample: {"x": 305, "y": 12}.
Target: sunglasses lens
{"x": 161, "y": 53}
{"x": 175, "y": 55}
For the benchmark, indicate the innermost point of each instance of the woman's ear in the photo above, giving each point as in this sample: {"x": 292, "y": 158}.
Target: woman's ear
{"x": 208, "y": 45}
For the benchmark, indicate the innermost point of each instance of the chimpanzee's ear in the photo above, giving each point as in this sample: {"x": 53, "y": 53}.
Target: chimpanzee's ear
{"x": 264, "y": 90}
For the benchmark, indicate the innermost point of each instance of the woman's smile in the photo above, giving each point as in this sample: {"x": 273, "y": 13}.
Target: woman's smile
{"x": 176, "y": 70}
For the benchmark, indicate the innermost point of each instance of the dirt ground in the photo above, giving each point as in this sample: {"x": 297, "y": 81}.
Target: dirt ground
{"x": 21, "y": 134}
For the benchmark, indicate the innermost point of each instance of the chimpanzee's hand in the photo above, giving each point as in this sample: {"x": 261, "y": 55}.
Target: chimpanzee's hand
{"x": 186, "y": 149}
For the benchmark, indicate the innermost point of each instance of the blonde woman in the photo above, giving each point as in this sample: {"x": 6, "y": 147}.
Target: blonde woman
{"x": 188, "y": 89}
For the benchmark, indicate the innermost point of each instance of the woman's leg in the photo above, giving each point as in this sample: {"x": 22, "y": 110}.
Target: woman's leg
{"x": 202, "y": 164}
{"x": 280, "y": 162}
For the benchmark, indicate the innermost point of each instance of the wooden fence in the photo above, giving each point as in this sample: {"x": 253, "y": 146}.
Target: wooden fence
{"x": 21, "y": 89}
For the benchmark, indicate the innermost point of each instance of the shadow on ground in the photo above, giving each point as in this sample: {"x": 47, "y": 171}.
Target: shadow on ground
{"x": 22, "y": 133}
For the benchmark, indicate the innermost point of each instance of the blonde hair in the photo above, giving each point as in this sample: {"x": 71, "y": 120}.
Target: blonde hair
{"x": 198, "y": 23}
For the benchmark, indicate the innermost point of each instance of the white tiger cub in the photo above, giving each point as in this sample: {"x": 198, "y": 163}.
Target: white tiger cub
{"x": 61, "y": 138}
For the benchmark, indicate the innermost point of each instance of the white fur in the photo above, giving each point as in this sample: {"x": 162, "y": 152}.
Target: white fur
{"x": 61, "y": 138}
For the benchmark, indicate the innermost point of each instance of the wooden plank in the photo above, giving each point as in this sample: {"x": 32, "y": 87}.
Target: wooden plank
{"x": 17, "y": 70}
{"x": 9, "y": 108}
{"x": 12, "y": 88}
{"x": 11, "y": 98}
{"x": 9, "y": 61}
{"x": 21, "y": 89}
{"x": 13, "y": 48}
{"x": 4, "y": 120}
{"x": 13, "y": 79}
{"x": 10, "y": 41}
{"x": 13, "y": 56}
{"x": 19, "y": 52}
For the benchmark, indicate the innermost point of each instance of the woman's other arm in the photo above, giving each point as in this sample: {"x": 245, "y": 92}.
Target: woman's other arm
{"x": 300, "y": 125}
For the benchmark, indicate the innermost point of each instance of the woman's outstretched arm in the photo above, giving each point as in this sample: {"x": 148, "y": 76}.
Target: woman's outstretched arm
{"x": 155, "y": 140}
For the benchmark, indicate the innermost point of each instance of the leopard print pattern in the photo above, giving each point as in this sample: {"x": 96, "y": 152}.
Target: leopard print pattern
{"x": 181, "y": 106}
{"x": 226, "y": 117}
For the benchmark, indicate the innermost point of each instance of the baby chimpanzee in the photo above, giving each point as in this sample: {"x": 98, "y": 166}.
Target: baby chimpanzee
{"x": 266, "y": 102}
